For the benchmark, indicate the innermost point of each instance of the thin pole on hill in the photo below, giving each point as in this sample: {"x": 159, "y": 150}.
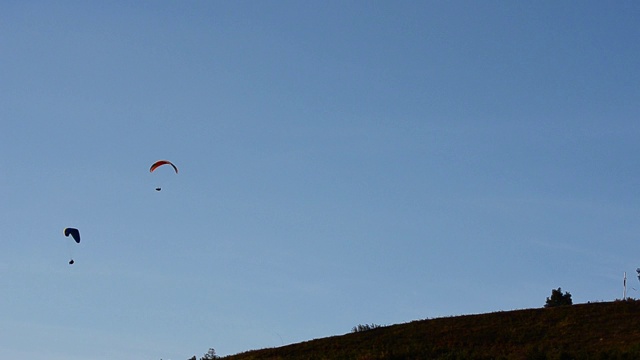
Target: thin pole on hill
{"x": 624, "y": 286}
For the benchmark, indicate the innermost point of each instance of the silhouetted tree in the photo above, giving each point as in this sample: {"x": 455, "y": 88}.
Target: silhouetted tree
{"x": 364, "y": 327}
{"x": 558, "y": 299}
{"x": 210, "y": 355}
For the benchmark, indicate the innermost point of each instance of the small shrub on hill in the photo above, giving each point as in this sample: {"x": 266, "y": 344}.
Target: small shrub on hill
{"x": 365, "y": 327}
{"x": 558, "y": 299}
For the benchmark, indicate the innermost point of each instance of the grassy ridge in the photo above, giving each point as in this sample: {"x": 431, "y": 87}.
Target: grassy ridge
{"x": 600, "y": 331}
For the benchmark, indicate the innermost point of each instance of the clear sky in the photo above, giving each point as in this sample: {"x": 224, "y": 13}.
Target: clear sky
{"x": 341, "y": 163}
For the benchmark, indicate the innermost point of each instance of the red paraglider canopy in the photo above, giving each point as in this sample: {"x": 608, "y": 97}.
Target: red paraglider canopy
{"x": 159, "y": 163}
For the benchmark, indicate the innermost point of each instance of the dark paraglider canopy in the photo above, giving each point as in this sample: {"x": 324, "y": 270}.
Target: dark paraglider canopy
{"x": 159, "y": 163}
{"x": 75, "y": 234}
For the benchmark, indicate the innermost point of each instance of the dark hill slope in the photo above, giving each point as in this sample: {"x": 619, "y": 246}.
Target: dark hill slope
{"x": 587, "y": 331}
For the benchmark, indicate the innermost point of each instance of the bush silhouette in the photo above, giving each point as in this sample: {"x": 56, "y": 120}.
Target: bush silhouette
{"x": 558, "y": 299}
{"x": 364, "y": 327}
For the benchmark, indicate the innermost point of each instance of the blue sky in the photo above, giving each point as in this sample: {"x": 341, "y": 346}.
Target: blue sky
{"x": 341, "y": 163}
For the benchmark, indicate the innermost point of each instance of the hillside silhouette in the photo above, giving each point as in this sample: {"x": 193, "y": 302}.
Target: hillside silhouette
{"x": 604, "y": 330}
